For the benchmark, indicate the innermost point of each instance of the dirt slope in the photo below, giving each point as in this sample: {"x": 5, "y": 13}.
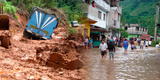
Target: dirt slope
{"x": 25, "y": 59}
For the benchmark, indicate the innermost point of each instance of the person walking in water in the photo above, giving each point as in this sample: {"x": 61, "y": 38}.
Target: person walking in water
{"x": 91, "y": 43}
{"x": 86, "y": 42}
{"x": 111, "y": 49}
{"x": 147, "y": 43}
{"x": 132, "y": 44}
{"x": 125, "y": 45}
{"x": 141, "y": 44}
{"x": 103, "y": 48}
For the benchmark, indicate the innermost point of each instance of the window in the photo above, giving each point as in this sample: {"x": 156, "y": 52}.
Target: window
{"x": 126, "y": 28}
{"x": 137, "y": 28}
{"x": 104, "y": 16}
{"x": 115, "y": 22}
{"x": 87, "y": 1}
{"x": 99, "y": 14}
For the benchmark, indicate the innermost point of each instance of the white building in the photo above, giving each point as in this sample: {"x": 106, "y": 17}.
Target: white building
{"x": 135, "y": 29}
{"x": 99, "y": 13}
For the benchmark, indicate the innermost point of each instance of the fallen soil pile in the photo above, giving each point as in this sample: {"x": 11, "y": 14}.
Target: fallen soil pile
{"x": 25, "y": 59}
{"x": 58, "y": 55}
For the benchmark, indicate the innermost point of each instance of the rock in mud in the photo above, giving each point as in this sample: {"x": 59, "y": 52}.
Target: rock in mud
{"x": 5, "y": 39}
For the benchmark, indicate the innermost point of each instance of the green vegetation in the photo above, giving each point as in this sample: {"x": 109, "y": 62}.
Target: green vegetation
{"x": 123, "y": 33}
{"x": 72, "y": 31}
{"x": 140, "y": 11}
{"x": 9, "y": 8}
{"x": 154, "y": 43}
{"x": 73, "y": 8}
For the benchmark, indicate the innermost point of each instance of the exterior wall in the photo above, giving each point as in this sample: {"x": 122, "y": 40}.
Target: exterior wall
{"x": 108, "y": 1}
{"x": 114, "y": 3}
{"x": 133, "y": 30}
{"x": 93, "y": 13}
{"x": 86, "y": 30}
{"x": 115, "y": 16}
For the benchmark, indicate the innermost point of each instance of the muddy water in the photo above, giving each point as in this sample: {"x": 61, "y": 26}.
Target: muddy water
{"x": 136, "y": 65}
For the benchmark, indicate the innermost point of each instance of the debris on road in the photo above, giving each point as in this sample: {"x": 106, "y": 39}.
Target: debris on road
{"x": 27, "y": 59}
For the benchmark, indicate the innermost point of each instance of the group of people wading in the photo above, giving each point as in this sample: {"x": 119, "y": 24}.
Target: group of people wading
{"x": 109, "y": 45}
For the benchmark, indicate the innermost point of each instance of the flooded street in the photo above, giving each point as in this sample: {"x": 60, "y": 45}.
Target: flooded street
{"x": 136, "y": 65}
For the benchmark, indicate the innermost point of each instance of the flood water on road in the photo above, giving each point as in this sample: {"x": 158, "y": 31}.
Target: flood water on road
{"x": 136, "y": 65}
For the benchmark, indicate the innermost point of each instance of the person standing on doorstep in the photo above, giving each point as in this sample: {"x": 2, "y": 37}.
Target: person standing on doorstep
{"x": 103, "y": 48}
{"x": 125, "y": 45}
{"x": 111, "y": 49}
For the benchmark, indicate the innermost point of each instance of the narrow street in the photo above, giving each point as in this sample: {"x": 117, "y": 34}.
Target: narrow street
{"x": 136, "y": 65}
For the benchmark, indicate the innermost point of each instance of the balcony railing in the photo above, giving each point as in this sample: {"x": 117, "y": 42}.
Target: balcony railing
{"x": 137, "y": 32}
{"x": 103, "y": 5}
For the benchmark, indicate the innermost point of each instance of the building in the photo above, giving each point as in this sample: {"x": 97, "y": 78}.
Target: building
{"x": 102, "y": 17}
{"x": 99, "y": 13}
{"x": 98, "y": 17}
{"x": 114, "y": 18}
{"x": 135, "y": 30}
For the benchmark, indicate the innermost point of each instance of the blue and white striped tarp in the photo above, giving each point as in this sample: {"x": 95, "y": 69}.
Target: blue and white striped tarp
{"x": 42, "y": 24}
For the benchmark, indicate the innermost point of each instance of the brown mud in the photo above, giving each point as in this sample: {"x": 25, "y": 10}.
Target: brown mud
{"x": 26, "y": 59}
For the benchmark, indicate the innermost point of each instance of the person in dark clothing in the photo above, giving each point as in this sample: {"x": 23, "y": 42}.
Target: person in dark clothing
{"x": 111, "y": 49}
{"x": 132, "y": 44}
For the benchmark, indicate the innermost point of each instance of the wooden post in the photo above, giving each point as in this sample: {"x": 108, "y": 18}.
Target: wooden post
{"x": 156, "y": 22}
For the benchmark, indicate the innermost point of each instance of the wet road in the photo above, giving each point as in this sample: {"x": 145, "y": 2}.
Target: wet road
{"x": 136, "y": 65}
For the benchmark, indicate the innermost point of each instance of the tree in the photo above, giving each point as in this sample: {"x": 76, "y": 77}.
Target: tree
{"x": 124, "y": 34}
{"x": 2, "y": 0}
{"x": 121, "y": 31}
{"x": 73, "y": 8}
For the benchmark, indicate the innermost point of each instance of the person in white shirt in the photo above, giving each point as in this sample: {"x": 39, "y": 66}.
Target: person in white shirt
{"x": 103, "y": 48}
{"x": 150, "y": 43}
{"x": 141, "y": 44}
{"x": 147, "y": 43}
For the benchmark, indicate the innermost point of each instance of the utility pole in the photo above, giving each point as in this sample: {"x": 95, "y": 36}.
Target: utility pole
{"x": 156, "y": 21}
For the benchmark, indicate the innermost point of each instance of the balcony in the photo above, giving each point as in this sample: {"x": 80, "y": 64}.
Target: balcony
{"x": 103, "y": 5}
{"x": 136, "y": 32}
{"x": 118, "y": 9}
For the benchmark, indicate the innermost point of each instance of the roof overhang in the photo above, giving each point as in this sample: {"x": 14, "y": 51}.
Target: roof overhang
{"x": 98, "y": 29}
{"x": 88, "y": 20}
{"x": 100, "y": 24}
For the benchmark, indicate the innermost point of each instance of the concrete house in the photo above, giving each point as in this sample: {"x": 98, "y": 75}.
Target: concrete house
{"x": 135, "y": 30}
{"x": 98, "y": 11}
{"x": 114, "y": 18}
